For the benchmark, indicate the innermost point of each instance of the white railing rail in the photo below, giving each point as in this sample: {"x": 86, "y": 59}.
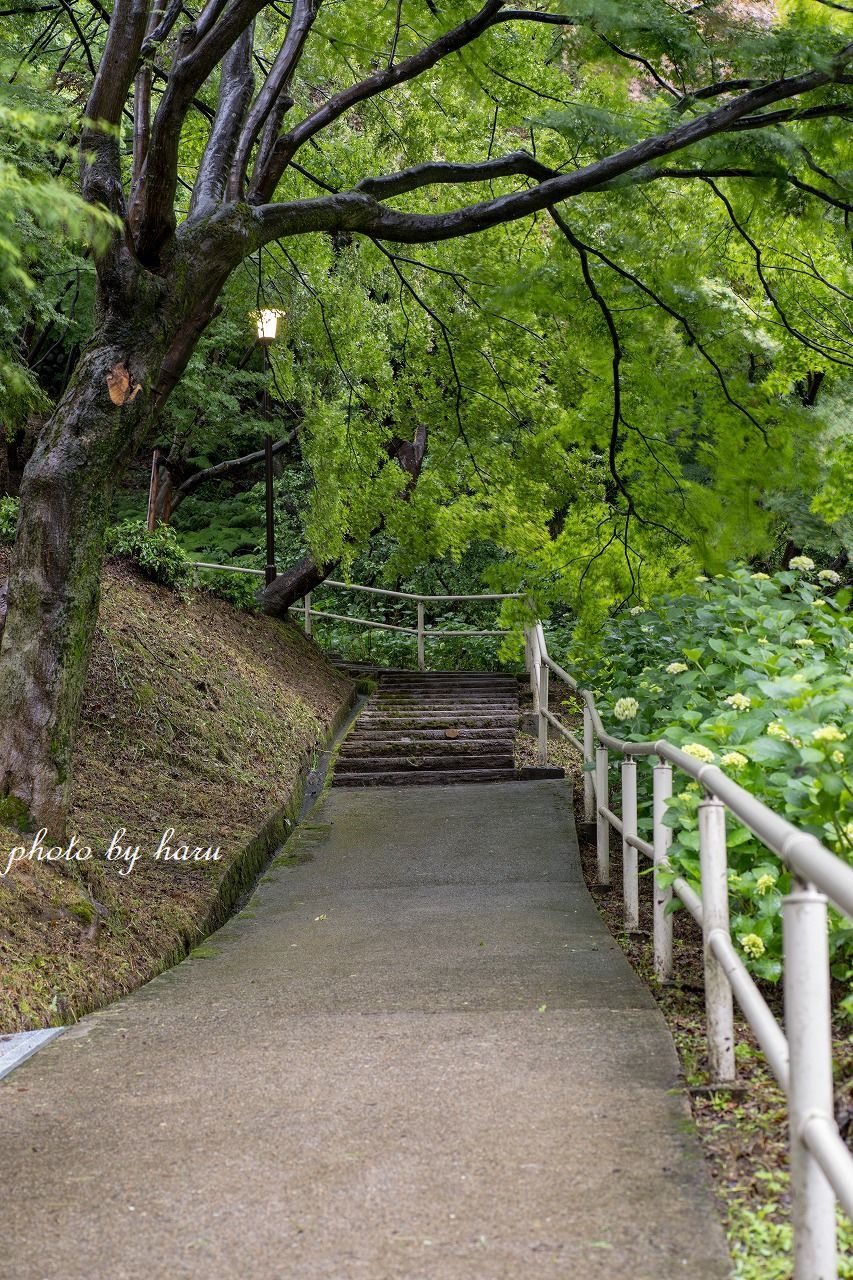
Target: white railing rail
{"x": 420, "y": 630}
{"x": 800, "y": 1055}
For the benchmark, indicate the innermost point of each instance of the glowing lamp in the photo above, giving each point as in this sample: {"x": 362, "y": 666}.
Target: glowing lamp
{"x": 267, "y": 325}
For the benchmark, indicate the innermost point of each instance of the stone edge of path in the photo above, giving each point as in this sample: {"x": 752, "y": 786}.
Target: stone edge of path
{"x": 17, "y": 1046}
{"x": 234, "y": 887}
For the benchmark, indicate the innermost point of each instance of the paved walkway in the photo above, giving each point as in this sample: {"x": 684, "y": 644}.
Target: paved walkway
{"x": 418, "y": 1054}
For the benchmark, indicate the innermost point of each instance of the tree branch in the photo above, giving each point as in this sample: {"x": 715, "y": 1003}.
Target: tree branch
{"x": 223, "y": 469}
{"x": 274, "y": 89}
{"x": 100, "y": 168}
{"x": 288, "y": 144}
{"x": 422, "y": 175}
{"x": 356, "y": 211}
{"x": 235, "y": 91}
{"x": 194, "y": 61}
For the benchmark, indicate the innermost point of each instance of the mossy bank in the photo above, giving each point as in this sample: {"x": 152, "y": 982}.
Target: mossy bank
{"x": 196, "y": 719}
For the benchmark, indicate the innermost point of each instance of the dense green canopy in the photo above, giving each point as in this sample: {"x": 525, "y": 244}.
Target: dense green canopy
{"x": 645, "y": 380}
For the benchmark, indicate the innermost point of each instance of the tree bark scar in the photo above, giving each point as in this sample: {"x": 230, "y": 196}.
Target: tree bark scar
{"x": 121, "y": 387}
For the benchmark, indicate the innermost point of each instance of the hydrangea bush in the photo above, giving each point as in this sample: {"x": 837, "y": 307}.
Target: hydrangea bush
{"x": 753, "y": 673}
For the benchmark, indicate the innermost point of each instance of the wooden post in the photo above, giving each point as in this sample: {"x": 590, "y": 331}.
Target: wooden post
{"x": 152, "y": 490}
{"x": 270, "y": 569}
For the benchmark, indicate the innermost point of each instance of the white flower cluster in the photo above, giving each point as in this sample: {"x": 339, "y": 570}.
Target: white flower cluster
{"x": 626, "y": 708}
{"x": 739, "y": 701}
{"x": 829, "y": 575}
{"x": 801, "y": 562}
{"x": 734, "y": 760}
{"x": 638, "y": 608}
{"x": 699, "y": 751}
{"x": 675, "y": 668}
{"x": 829, "y": 733}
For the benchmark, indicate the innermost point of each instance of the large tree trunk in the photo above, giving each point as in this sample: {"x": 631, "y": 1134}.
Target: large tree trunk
{"x": 54, "y": 580}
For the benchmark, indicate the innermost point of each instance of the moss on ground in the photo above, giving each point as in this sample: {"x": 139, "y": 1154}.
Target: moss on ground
{"x": 195, "y": 717}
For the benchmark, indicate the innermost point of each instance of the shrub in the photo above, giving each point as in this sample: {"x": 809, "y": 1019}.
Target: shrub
{"x": 753, "y": 673}
{"x": 9, "y": 508}
{"x": 238, "y": 589}
{"x": 156, "y": 555}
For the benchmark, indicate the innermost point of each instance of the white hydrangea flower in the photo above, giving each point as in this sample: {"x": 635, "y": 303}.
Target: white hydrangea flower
{"x": 763, "y": 883}
{"x": 699, "y": 751}
{"x": 776, "y": 729}
{"x": 760, "y": 577}
{"x": 829, "y": 733}
{"x": 675, "y": 668}
{"x": 734, "y": 760}
{"x": 739, "y": 701}
{"x": 804, "y": 643}
{"x": 638, "y": 608}
{"x": 700, "y": 577}
{"x": 837, "y": 757}
{"x": 762, "y": 640}
{"x": 752, "y": 945}
{"x": 626, "y": 708}
{"x": 801, "y": 562}
{"x": 820, "y": 603}
{"x": 829, "y": 575}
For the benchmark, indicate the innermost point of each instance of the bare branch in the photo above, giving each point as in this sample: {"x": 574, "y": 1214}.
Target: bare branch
{"x": 288, "y": 144}
{"x": 422, "y": 175}
{"x": 235, "y": 91}
{"x": 194, "y": 61}
{"x": 356, "y": 211}
{"x": 274, "y": 89}
{"x": 100, "y": 163}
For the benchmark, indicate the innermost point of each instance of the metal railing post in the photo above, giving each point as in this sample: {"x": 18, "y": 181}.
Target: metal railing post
{"x": 662, "y": 839}
{"x": 421, "y": 639}
{"x": 630, "y": 856}
{"x": 719, "y": 1011}
{"x": 602, "y": 826}
{"x": 543, "y": 707}
{"x": 807, "y": 1024}
{"x": 589, "y": 761}
{"x": 308, "y": 614}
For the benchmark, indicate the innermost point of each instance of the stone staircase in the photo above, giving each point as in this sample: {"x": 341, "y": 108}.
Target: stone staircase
{"x": 435, "y": 727}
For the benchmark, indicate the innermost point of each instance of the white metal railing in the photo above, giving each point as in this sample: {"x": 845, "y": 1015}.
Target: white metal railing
{"x": 800, "y": 1055}
{"x": 423, "y": 633}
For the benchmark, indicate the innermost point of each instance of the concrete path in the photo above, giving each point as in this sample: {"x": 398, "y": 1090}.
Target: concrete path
{"x": 417, "y": 1054}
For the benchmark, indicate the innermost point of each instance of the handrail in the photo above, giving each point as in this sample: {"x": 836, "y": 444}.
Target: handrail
{"x": 799, "y": 1055}
{"x": 421, "y": 631}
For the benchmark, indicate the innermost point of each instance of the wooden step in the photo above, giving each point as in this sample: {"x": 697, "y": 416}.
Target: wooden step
{"x": 425, "y": 763}
{"x": 443, "y": 777}
{"x": 354, "y": 747}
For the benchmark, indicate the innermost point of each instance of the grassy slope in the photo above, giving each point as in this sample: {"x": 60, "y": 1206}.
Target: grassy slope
{"x": 196, "y": 717}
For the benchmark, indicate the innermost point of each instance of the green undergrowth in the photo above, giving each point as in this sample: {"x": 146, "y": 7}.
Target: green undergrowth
{"x": 196, "y": 718}
{"x": 754, "y": 674}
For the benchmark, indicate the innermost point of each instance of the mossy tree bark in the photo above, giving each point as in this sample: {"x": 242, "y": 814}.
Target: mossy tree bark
{"x": 146, "y": 333}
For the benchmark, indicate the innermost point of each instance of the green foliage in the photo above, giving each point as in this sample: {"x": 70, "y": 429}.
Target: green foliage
{"x": 753, "y": 674}
{"x": 42, "y": 221}
{"x": 9, "y": 508}
{"x": 157, "y": 555}
{"x": 237, "y": 588}
{"x": 761, "y": 1239}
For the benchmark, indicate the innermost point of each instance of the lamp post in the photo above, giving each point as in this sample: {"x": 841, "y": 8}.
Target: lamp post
{"x": 267, "y": 329}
